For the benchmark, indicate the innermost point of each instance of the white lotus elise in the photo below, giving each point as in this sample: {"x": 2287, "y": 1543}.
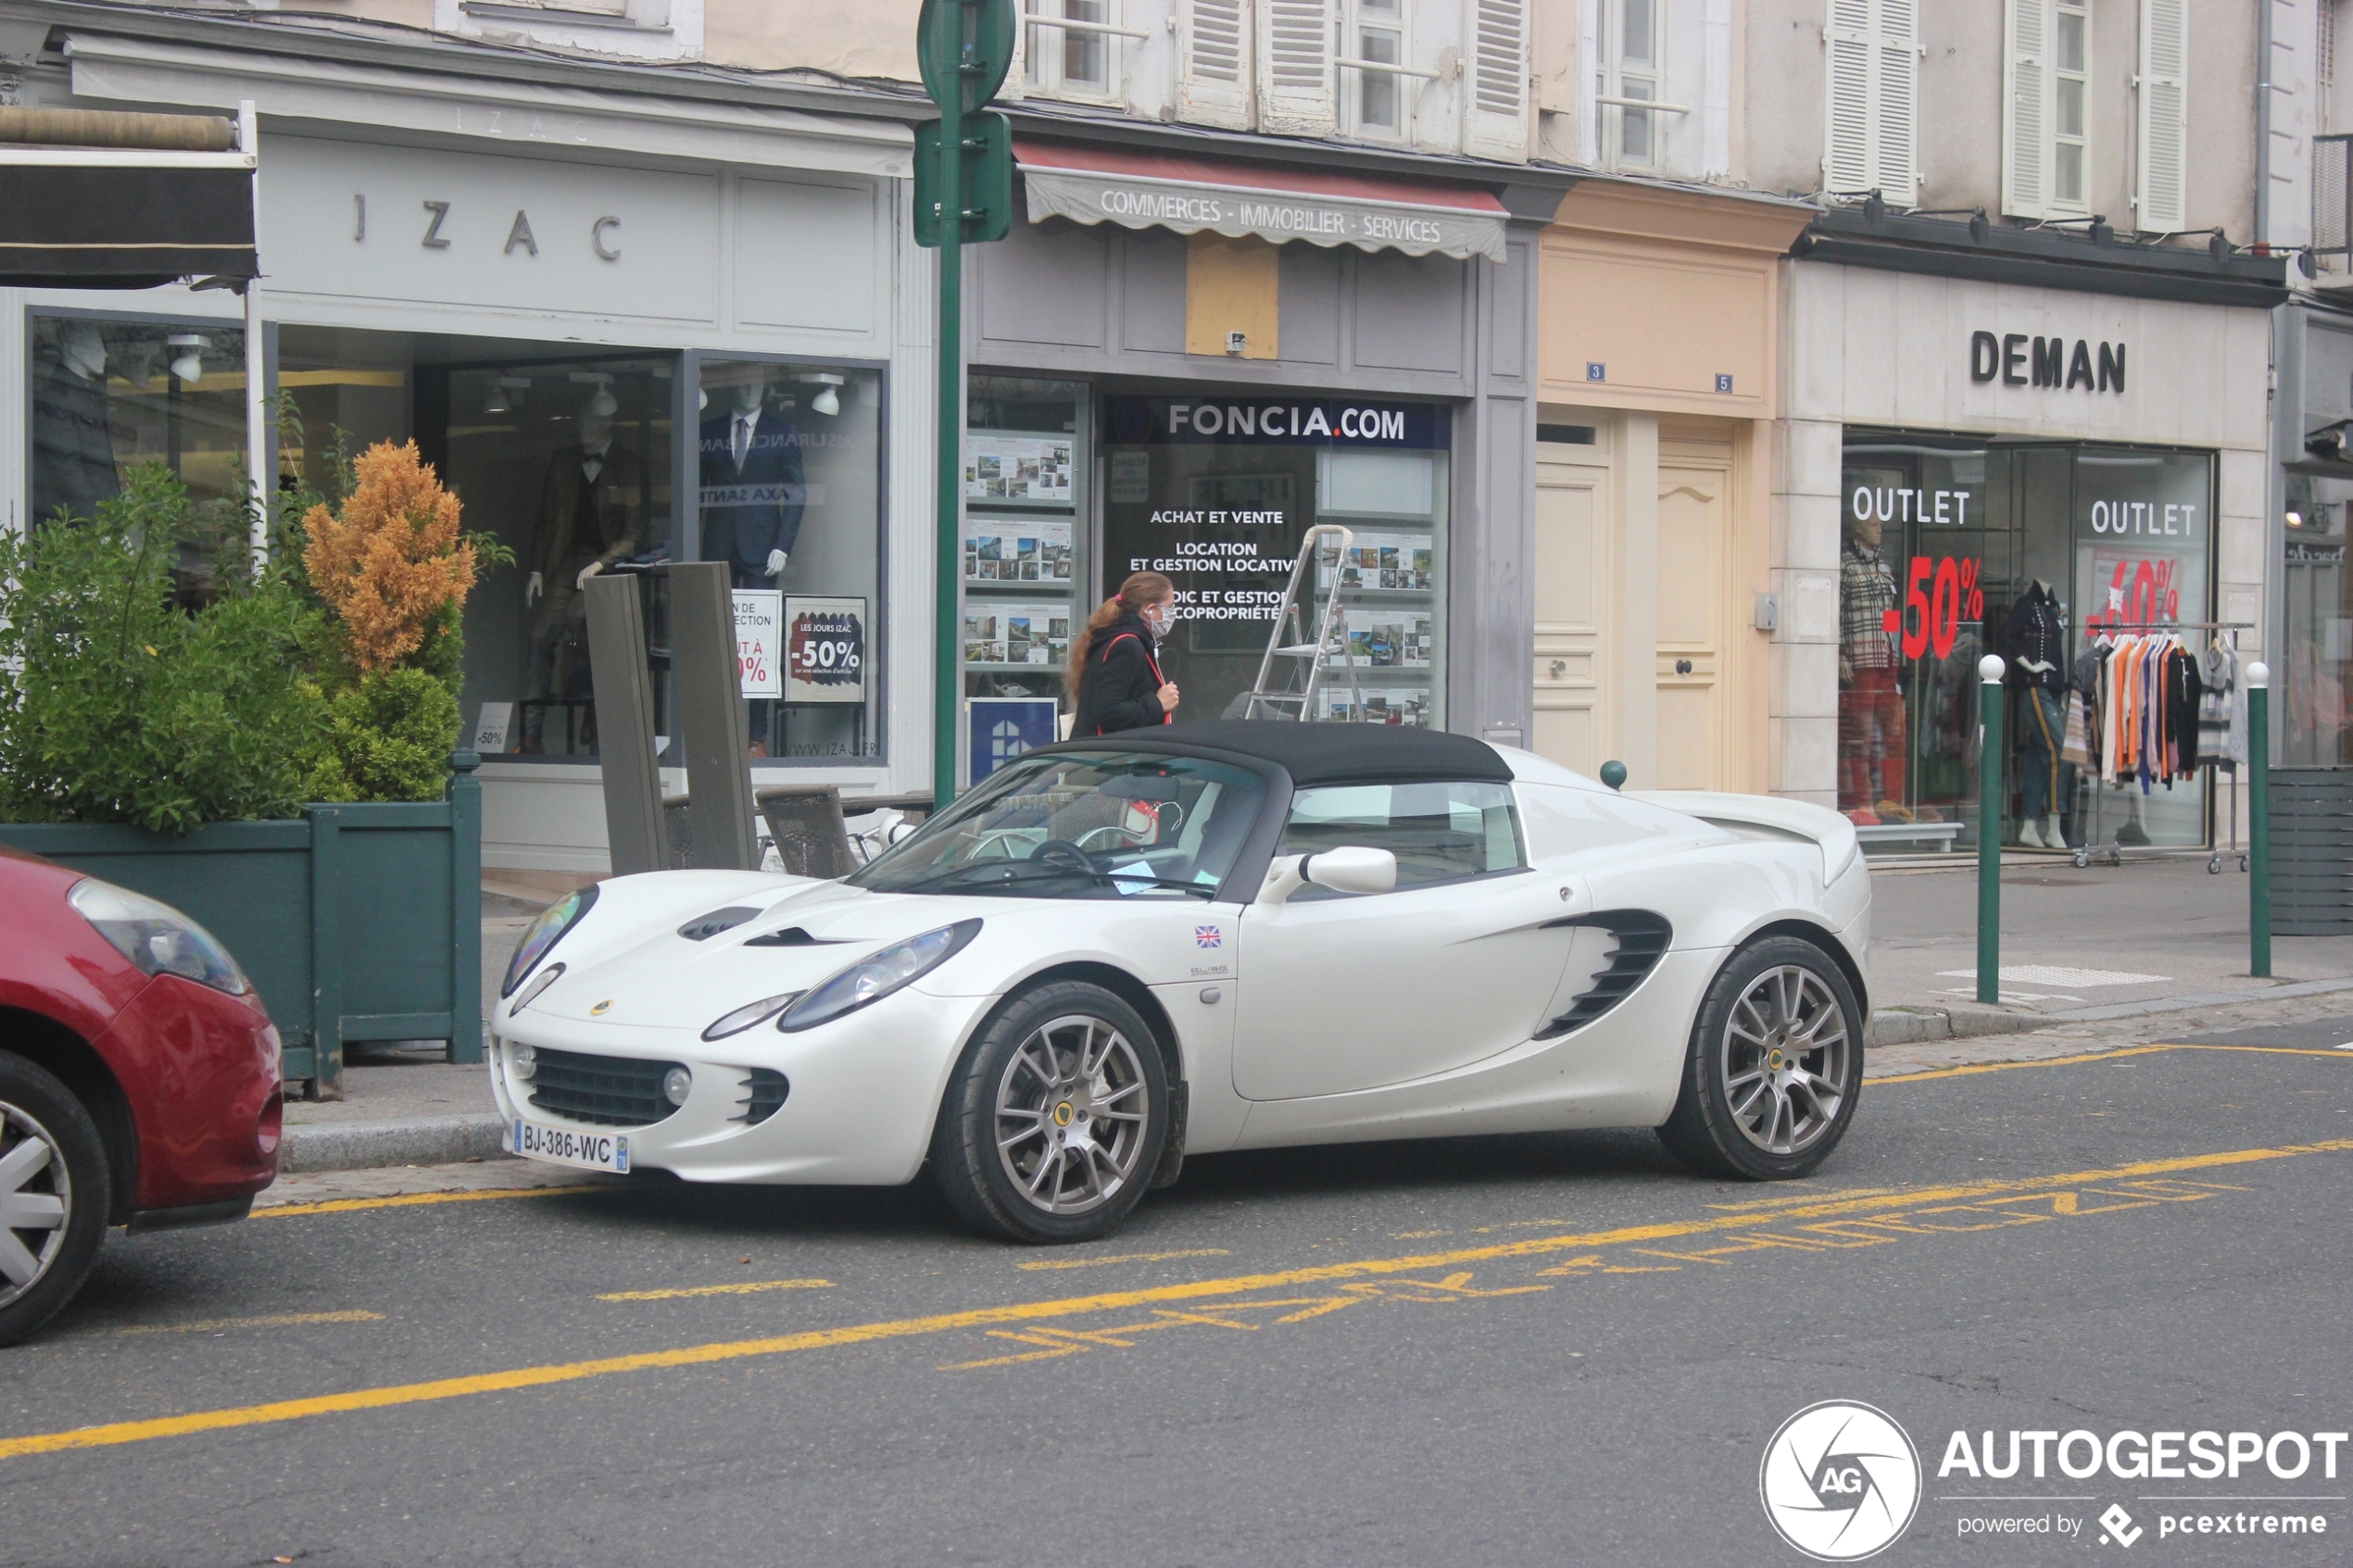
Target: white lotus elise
{"x": 1211, "y": 936}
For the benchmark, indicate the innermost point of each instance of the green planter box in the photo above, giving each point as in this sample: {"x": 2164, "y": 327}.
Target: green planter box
{"x": 355, "y": 922}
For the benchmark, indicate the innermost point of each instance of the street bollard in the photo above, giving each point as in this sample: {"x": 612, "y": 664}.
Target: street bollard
{"x": 1989, "y": 830}
{"x": 2259, "y": 819}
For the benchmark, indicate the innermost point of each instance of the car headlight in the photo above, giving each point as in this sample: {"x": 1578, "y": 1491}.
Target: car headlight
{"x": 525, "y": 1059}
{"x": 548, "y": 977}
{"x": 156, "y": 937}
{"x": 545, "y": 933}
{"x": 744, "y": 1018}
{"x": 873, "y": 978}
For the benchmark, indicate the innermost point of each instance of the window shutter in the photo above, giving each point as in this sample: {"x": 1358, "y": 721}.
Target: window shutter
{"x": 1213, "y": 82}
{"x": 1495, "y": 121}
{"x": 1872, "y": 99}
{"x": 2026, "y": 109}
{"x": 1295, "y": 95}
{"x": 2160, "y": 203}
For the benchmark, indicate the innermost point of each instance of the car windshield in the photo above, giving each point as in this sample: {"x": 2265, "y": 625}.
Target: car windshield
{"x": 1082, "y": 826}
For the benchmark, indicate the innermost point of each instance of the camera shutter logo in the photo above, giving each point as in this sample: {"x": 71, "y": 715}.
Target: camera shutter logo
{"x": 1841, "y": 1481}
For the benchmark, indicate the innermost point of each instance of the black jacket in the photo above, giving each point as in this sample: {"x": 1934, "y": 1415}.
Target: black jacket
{"x": 2036, "y": 630}
{"x": 1121, "y": 687}
{"x": 751, "y": 510}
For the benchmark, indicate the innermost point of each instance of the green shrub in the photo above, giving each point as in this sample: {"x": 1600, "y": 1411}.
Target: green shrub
{"x": 387, "y": 738}
{"x": 124, "y": 696}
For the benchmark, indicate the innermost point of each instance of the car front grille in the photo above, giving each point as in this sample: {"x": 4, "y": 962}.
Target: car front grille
{"x": 766, "y": 1089}
{"x": 606, "y": 1091}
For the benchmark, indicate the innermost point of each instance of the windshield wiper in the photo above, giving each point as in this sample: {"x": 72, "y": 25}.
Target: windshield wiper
{"x": 1041, "y": 871}
{"x": 1206, "y": 892}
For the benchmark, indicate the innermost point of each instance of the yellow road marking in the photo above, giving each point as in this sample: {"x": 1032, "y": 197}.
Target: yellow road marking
{"x": 405, "y": 1200}
{"x": 286, "y": 1320}
{"x": 1127, "y": 1258}
{"x": 751, "y": 1288}
{"x": 1976, "y": 1068}
{"x": 119, "y": 1433}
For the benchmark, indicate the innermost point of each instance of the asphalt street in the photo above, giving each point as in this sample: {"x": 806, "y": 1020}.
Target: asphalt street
{"x": 1557, "y": 1350}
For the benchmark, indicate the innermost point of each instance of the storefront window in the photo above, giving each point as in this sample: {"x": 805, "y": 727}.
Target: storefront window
{"x": 2318, "y": 635}
{"x": 109, "y": 393}
{"x": 788, "y": 475}
{"x": 2044, "y": 554}
{"x": 1217, "y": 491}
{"x": 1026, "y": 485}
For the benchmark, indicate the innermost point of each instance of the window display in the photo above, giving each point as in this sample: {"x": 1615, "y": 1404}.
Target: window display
{"x": 1024, "y": 468}
{"x": 2315, "y": 722}
{"x": 109, "y": 393}
{"x": 2054, "y": 556}
{"x": 788, "y": 476}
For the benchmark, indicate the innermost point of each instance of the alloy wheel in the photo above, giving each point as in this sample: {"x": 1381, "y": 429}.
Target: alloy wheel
{"x": 36, "y": 1197}
{"x": 1071, "y": 1115}
{"x": 1787, "y": 1060}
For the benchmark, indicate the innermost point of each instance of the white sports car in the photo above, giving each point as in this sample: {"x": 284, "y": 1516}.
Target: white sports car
{"x": 1211, "y": 937}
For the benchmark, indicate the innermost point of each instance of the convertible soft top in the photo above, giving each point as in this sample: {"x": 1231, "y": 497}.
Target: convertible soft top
{"x": 1320, "y": 753}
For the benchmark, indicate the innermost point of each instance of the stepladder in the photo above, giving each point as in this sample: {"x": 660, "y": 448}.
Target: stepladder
{"x": 1310, "y": 642}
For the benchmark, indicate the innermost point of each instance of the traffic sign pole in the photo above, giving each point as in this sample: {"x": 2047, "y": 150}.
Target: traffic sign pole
{"x": 948, "y": 683}
{"x": 1989, "y": 830}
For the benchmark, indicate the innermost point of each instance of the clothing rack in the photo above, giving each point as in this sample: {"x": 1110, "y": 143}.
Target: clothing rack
{"x": 2113, "y": 849}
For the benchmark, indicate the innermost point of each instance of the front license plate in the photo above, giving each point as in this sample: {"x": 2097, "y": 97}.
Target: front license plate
{"x": 562, "y": 1146}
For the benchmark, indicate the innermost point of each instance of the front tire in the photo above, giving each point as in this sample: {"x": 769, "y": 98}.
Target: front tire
{"x": 54, "y": 1195}
{"x": 1054, "y": 1119}
{"x": 1774, "y": 1069}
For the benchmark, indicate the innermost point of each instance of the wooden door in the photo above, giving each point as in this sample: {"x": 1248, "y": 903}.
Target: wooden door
{"x": 1694, "y": 567}
{"x": 1572, "y": 569}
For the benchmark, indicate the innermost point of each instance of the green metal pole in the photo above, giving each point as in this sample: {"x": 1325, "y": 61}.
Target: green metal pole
{"x": 947, "y": 684}
{"x": 2258, "y": 820}
{"x": 1989, "y": 830}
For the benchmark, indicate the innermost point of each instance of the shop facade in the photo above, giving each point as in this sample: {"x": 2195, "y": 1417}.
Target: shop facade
{"x": 2064, "y": 464}
{"x": 2313, "y": 726}
{"x": 1651, "y": 593}
{"x": 1192, "y": 352}
{"x": 627, "y": 331}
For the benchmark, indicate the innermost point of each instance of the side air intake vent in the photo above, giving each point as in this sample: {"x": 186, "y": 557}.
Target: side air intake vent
{"x": 1642, "y": 939}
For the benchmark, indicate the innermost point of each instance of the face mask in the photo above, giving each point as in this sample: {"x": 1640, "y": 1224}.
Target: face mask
{"x": 1159, "y": 618}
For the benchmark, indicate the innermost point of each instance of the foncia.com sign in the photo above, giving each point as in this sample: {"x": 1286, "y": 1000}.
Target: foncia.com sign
{"x": 1842, "y": 1481}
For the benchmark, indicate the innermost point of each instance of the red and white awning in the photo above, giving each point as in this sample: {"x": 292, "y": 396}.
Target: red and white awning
{"x": 1096, "y": 184}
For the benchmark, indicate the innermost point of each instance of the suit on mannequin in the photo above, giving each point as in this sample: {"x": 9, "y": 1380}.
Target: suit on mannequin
{"x": 73, "y": 466}
{"x": 752, "y": 492}
{"x": 592, "y": 513}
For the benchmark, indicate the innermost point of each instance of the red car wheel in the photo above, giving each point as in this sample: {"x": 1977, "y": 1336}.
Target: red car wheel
{"x": 54, "y": 1194}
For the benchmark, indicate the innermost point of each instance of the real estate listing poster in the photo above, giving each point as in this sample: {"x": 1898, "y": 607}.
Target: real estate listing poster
{"x": 1017, "y": 550}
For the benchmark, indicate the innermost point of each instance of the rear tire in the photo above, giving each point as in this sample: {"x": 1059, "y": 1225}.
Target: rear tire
{"x": 1774, "y": 1067}
{"x": 54, "y": 1195}
{"x": 1055, "y": 1118}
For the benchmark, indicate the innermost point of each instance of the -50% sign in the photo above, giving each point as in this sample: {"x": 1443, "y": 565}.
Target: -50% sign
{"x": 1940, "y": 592}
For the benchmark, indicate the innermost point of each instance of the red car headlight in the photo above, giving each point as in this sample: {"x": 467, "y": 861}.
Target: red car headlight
{"x": 156, "y": 937}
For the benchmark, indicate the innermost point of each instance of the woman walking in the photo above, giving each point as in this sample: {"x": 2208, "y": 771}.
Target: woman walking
{"x": 1115, "y": 677}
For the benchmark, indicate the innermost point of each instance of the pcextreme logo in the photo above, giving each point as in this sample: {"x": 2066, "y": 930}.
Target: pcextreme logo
{"x": 1841, "y": 1481}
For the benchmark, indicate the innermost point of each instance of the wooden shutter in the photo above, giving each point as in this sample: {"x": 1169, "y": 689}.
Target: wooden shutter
{"x": 1214, "y": 78}
{"x": 1495, "y": 117}
{"x": 1295, "y": 95}
{"x": 1872, "y": 100}
{"x": 2160, "y": 198}
{"x": 2028, "y": 44}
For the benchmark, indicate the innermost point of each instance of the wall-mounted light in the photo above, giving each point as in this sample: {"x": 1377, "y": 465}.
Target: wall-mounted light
{"x": 828, "y": 400}
{"x": 187, "y": 356}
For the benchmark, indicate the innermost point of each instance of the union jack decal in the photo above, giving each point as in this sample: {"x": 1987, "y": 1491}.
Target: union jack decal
{"x": 1209, "y": 936}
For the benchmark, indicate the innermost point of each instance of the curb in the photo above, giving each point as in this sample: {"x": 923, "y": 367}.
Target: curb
{"x": 1909, "y": 1026}
{"x": 420, "y": 1140}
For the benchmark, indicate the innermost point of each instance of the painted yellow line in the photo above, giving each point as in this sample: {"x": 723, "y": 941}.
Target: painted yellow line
{"x": 1127, "y": 1258}
{"x": 2117, "y": 1054}
{"x": 222, "y": 1325}
{"x": 749, "y": 1288}
{"x": 405, "y": 1200}
{"x": 385, "y": 1397}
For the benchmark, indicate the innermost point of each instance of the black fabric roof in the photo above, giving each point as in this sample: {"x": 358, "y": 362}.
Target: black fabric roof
{"x": 1314, "y": 754}
{"x": 77, "y": 226}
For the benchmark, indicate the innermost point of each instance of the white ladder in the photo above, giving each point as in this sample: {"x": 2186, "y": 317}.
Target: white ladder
{"x": 1291, "y": 642}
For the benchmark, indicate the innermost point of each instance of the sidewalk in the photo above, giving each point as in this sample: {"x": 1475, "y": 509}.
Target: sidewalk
{"x": 2084, "y": 954}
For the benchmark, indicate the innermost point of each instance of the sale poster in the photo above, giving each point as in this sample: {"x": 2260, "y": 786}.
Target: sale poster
{"x": 760, "y": 650}
{"x": 825, "y": 650}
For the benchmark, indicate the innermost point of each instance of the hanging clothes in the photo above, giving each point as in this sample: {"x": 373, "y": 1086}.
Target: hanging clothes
{"x": 2221, "y": 725}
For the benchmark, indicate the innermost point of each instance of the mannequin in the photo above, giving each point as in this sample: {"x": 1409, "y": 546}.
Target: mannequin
{"x": 1870, "y": 705}
{"x": 2034, "y": 637}
{"x": 752, "y": 492}
{"x": 73, "y": 463}
{"x": 592, "y": 513}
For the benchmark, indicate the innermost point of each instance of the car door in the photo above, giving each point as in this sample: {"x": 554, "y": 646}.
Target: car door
{"x": 1345, "y": 993}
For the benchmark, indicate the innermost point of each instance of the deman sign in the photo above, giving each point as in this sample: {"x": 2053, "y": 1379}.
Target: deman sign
{"x": 2018, "y": 360}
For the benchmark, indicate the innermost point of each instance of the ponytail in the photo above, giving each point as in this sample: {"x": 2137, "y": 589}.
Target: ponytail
{"x": 1144, "y": 588}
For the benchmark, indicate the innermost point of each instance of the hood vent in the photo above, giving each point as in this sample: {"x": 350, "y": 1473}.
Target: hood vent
{"x": 705, "y": 928}
{"x": 791, "y": 937}
{"x": 1642, "y": 939}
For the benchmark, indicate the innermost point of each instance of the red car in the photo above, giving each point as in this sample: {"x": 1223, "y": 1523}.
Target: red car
{"x": 138, "y": 1080}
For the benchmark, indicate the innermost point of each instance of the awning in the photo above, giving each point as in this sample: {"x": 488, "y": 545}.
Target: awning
{"x": 138, "y": 201}
{"x": 1096, "y": 184}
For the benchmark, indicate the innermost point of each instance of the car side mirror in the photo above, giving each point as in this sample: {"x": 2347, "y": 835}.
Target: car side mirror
{"x": 1348, "y": 869}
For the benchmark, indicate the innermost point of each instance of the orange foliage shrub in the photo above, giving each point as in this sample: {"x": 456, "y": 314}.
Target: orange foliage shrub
{"x": 390, "y": 563}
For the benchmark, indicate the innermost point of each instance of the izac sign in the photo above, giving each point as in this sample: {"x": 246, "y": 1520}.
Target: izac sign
{"x": 2017, "y": 360}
